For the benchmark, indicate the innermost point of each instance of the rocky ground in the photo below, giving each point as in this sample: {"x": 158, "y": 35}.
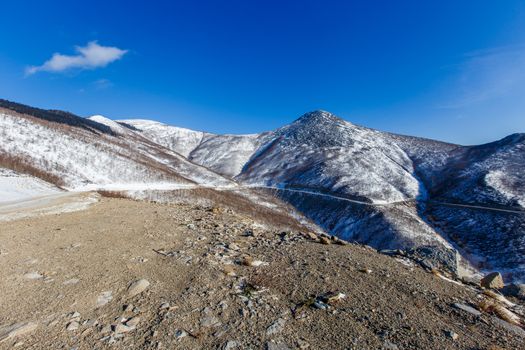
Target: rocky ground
{"x": 128, "y": 274}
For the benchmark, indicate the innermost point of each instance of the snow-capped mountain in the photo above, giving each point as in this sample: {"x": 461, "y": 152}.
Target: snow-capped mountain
{"x": 386, "y": 190}
{"x": 378, "y": 188}
{"x": 78, "y": 153}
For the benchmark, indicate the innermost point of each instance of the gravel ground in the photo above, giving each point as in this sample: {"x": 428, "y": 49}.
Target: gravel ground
{"x": 211, "y": 278}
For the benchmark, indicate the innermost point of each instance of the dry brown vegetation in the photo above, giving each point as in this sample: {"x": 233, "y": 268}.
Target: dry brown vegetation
{"x": 24, "y": 166}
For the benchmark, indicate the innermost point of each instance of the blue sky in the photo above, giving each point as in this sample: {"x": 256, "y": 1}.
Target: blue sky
{"x": 450, "y": 70}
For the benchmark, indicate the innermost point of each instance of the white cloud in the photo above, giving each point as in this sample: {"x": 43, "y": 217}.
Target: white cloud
{"x": 90, "y": 56}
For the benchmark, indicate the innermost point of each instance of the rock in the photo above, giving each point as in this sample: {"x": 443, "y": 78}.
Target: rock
{"x": 334, "y": 298}
{"x": 387, "y": 345}
{"x": 452, "y": 335}
{"x": 514, "y": 290}
{"x": 17, "y": 329}
{"x": 325, "y": 240}
{"x": 249, "y": 261}
{"x": 104, "y": 298}
{"x": 180, "y": 333}
{"x": 276, "y": 346}
{"x": 276, "y": 327}
{"x": 137, "y": 287}
{"x": 133, "y": 322}
{"x": 210, "y": 321}
{"x": 302, "y": 344}
{"x": 72, "y": 326}
{"x": 33, "y": 275}
{"x": 367, "y": 271}
{"x": 230, "y": 345}
{"x": 122, "y": 328}
{"x": 311, "y": 235}
{"x": 164, "y": 306}
{"x": 71, "y": 281}
{"x": 493, "y": 280}
{"x": 74, "y": 315}
{"x": 467, "y": 308}
{"x": 229, "y": 270}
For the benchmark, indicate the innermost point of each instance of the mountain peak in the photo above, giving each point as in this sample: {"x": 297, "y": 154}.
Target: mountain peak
{"x": 318, "y": 116}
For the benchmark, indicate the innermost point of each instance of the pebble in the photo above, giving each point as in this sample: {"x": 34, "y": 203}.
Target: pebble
{"x": 325, "y": 240}
{"x": 137, "y": 287}
{"x": 104, "y": 298}
{"x": 33, "y": 275}
{"x": 452, "y": 335}
{"x": 133, "y": 322}
{"x": 72, "y": 326}
{"x": 467, "y": 308}
{"x": 180, "y": 333}
{"x": 276, "y": 327}
{"x": 164, "y": 306}
{"x": 276, "y": 346}
{"x": 122, "y": 328}
{"x": 387, "y": 345}
{"x": 230, "y": 345}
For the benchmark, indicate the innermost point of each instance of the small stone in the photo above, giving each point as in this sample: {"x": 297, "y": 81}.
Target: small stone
{"x": 467, "y": 308}
{"x": 106, "y": 329}
{"x": 276, "y": 327}
{"x": 133, "y": 322}
{"x": 229, "y": 270}
{"x": 387, "y": 345}
{"x": 335, "y": 297}
{"x": 122, "y": 328}
{"x": 452, "y": 335}
{"x": 72, "y": 326}
{"x": 210, "y": 321}
{"x": 104, "y": 298}
{"x": 311, "y": 236}
{"x": 74, "y": 315}
{"x": 302, "y": 344}
{"x": 230, "y": 345}
{"x": 164, "y": 306}
{"x": 493, "y": 280}
{"x": 367, "y": 271}
{"x": 325, "y": 240}
{"x": 137, "y": 287}
{"x": 276, "y": 346}
{"x": 180, "y": 333}
{"x": 33, "y": 275}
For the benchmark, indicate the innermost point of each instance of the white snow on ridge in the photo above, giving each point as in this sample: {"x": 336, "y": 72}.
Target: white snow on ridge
{"x": 500, "y": 182}
{"x": 180, "y": 140}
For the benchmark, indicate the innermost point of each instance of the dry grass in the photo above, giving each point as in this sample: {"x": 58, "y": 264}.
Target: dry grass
{"x": 24, "y": 166}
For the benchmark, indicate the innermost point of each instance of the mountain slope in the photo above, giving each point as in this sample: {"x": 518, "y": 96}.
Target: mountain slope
{"x": 320, "y": 160}
{"x": 80, "y": 153}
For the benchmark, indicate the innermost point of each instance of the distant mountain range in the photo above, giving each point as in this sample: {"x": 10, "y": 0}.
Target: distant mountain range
{"x": 457, "y": 206}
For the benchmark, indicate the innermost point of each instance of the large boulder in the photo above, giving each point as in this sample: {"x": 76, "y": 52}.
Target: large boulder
{"x": 493, "y": 280}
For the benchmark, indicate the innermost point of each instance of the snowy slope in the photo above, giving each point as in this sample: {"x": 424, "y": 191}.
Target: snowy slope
{"x": 85, "y": 158}
{"x": 225, "y": 154}
{"x": 18, "y": 187}
{"x": 320, "y": 153}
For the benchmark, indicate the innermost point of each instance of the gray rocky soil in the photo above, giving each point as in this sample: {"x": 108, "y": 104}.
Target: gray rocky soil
{"x": 127, "y": 274}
